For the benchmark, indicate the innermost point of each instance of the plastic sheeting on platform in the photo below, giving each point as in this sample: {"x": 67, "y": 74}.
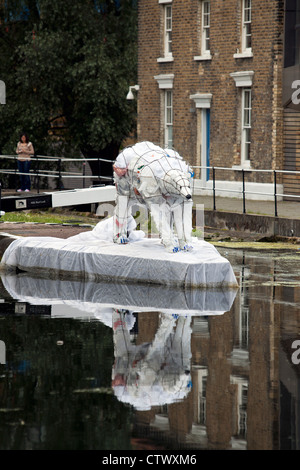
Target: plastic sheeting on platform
{"x": 92, "y": 255}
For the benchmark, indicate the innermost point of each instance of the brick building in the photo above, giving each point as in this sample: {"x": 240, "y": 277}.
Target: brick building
{"x": 212, "y": 85}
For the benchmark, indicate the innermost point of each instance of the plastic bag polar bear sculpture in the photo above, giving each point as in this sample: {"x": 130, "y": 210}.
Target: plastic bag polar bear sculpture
{"x": 158, "y": 178}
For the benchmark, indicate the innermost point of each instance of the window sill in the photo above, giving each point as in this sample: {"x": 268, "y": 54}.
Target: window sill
{"x": 244, "y": 166}
{"x": 202, "y": 57}
{"x": 243, "y": 55}
{"x": 165, "y": 59}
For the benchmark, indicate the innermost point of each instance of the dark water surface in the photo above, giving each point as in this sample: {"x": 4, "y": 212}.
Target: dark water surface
{"x": 118, "y": 367}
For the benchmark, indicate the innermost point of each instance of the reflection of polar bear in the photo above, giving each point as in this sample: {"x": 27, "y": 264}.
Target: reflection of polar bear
{"x": 158, "y": 178}
{"x": 156, "y": 373}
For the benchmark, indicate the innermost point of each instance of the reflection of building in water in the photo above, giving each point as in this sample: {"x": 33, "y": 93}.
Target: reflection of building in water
{"x": 235, "y": 401}
{"x": 244, "y": 364}
{"x": 241, "y": 318}
{"x": 289, "y": 365}
{"x": 201, "y": 384}
{"x": 240, "y": 410}
{"x": 240, "y": 356}
{"x": 215, "y": 413}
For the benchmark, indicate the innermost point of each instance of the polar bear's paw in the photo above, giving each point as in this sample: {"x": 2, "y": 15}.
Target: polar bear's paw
{"x": 120, "y": 239}
{"x": 172, "y": 248}
{"x": 186, "y": 247}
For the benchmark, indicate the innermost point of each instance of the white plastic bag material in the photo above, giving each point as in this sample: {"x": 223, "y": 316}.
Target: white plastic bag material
{"x": 93, "y": 255}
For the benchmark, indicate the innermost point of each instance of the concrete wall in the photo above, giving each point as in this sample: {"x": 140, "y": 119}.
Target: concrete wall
{"x": 261, "y": 224}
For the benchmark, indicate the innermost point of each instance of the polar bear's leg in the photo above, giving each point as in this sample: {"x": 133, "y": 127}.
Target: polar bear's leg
{"x": 188, "y": 220}
{"x": 167, "y": 233}
{"x": 162, "y": 217}
{"x": 181, "y": 345}
{"x": 122, "y": 214}
{"x": 183, "y": 223}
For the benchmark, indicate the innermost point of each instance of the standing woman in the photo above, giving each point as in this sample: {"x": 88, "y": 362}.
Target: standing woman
{"x": 24, "y": 151}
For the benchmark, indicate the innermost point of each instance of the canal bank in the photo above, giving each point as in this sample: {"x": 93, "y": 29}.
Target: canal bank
{"x": 255, "y": 219}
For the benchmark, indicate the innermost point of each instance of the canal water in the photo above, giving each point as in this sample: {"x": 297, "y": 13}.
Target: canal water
{"x": 96, "y": 366}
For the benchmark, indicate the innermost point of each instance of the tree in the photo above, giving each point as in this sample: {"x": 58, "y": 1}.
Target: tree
{"x": 67, "y": 67}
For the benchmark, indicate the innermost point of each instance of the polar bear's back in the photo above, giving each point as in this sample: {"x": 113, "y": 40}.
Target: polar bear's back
{"x": 141, "y": 149}
{"x": 150, "y": 158}
{"x": 146, "y": 150}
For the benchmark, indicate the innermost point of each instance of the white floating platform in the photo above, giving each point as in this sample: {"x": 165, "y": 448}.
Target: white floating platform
{"x": 93, "y": 256}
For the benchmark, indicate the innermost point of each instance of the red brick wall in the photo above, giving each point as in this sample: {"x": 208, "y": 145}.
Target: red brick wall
{"x": 213, "y": 76}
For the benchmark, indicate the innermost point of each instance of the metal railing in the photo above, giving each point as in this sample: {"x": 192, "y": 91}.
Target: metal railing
{"x": 60, "y": 174}
{"x": 243, "y": 191}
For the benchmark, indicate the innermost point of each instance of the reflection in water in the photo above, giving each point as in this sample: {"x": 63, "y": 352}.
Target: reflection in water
{"x": 104, "y": 366}
{"x": 92, "y": 297}
{"x": 156, "y": 373}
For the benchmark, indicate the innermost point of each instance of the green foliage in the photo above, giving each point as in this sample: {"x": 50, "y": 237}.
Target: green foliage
{"x": 47, "y": 217}
{"x": 67, "y": 67}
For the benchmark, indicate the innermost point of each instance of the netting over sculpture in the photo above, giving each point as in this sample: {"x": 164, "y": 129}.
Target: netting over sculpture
{"x": 159, "y": 179}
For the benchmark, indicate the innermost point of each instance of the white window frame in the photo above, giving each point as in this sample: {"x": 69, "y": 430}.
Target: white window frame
{"x": 205, "y": 30}
{"x": 165, "y": 83}
{"x": 243, "y": 80}
{"x": 205, "y": 23}
{"x": 167, "y": 16}
{"x": 168, "y": 118}
{"x": 168, "y": 30}
{"x": 246, "y": 14}
{"x": 246, "y": 127}
{"x": 240, "y": 409}
{"x": 246, "y": 25}
{"x": 202, "y": 374}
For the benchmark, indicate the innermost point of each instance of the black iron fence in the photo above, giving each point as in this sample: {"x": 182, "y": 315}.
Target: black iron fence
{"x": 243, "y": 192}
{"x": 53, "y": 170}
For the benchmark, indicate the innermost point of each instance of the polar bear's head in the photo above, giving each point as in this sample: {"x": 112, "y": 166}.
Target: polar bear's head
{"x": 177, "y": 182}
